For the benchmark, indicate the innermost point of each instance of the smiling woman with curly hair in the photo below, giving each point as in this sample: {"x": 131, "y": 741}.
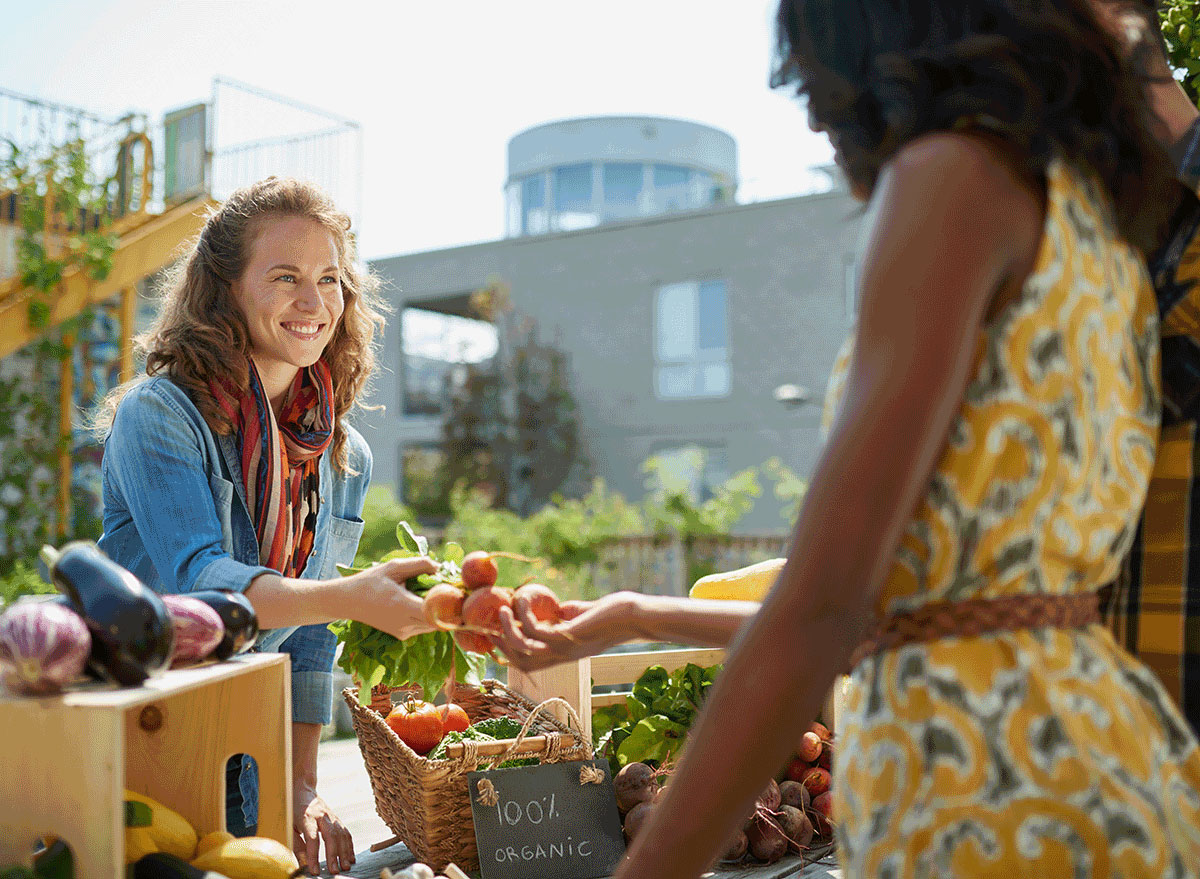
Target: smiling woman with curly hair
{"x": 230, "y": 464}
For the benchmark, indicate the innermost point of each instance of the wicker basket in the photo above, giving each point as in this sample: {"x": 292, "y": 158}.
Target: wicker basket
{"x": 426, "y": 802}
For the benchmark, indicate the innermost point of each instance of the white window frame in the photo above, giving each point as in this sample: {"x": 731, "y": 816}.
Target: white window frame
{"x": 699, "y": 358}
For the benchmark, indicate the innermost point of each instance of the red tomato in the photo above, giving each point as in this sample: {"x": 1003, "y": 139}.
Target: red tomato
{"x": 418, "y": 724}
{"x": 454, "y": 718}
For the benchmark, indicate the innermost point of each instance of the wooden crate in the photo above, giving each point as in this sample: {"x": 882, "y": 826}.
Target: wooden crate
{"x": 574, "y": 681}
{"x": 65, "y": 761}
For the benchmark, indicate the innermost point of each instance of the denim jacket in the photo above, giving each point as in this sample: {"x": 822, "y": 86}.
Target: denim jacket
{"x": 175, "y": 514}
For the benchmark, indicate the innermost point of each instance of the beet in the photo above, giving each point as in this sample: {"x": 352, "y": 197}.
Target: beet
{"x": 540, "y": 601}
{"x": 817, "y": 782}
{"x": 481, "y": 609}
{"x": 822, "y": 809}
{"x": 796, "y": 826}
{"x": 634, "y": 784}
{"x": 766, "y": 842}
{"x": 793, "y": 793}
{"x": 478, "y": 571}
{"x": 810, "y": 747}
{"x": 636, "y": 819}
{"x": 769, "y": 798}
{"x": 443, "y": 606}
{"x": 736, "y": 850}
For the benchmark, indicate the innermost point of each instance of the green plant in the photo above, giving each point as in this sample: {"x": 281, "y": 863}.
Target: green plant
{"x": 22, "y": 579}
{"x": 53, "y": 188}
{"x": 381, "y": 512}
{"x": 1180, "y": 21}
{"x": 654, "y": 721}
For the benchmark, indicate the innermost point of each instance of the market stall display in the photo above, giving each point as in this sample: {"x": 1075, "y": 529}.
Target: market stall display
{"x": 168, "y": 739}
{"x": 121, "y": 702}
{"x": 425, "y": 799}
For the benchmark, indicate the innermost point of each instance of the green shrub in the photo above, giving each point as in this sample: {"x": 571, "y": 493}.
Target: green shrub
{"x": 23, "y": 579}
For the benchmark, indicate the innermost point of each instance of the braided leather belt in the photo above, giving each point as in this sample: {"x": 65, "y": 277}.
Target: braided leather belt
{"x": 979, "y": 616}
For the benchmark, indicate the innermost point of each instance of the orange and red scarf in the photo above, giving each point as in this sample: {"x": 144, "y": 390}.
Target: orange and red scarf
{"x": 280, "y": 460}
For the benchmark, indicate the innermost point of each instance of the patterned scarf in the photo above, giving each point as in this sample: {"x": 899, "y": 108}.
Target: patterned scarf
{"x": 280, "y": 461}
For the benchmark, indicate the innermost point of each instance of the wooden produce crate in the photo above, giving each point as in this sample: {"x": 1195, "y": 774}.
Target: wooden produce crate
{"x": 574, "y": 681}
{"x": 66, "y": 761}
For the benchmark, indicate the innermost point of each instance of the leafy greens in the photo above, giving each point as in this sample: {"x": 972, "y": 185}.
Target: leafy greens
{"x": 373, "y": 657}
{"x": 654, "y": 721}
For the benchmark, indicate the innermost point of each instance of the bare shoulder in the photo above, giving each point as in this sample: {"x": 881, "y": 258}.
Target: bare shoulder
{"x": 981, "y": 170}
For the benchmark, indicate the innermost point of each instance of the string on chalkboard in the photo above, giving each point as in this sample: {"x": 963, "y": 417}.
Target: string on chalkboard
{"x": 487, "y": 793}
{"x": 589, "y": 774}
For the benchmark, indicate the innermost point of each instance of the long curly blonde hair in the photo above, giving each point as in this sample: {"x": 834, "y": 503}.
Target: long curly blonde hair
{"x": 201, "y": 336}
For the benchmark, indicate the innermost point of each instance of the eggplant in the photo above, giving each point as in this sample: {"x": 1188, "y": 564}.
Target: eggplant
{"x": 43, "y": 647}
{"x": 132, "y": 632}
{"x": 237, "y": 613}
{"x": 198, "y": 629}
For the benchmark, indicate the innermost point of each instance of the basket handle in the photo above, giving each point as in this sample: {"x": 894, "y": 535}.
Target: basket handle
{"x": 575, "y": 725}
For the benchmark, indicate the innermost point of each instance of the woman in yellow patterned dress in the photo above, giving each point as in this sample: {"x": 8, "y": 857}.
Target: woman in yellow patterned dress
{"x": 985, "y": 472}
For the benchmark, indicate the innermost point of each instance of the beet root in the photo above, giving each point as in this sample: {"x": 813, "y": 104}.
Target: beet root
{"x": 736, "y": 850}
{"x": 810, "y": 747}
{"x": 793, "y": 793}
{"x": 822, "y": 810}
{"x": 817, "y": 782}
{"x": 636, "y": 819}
{"x": 634, "y": 784}
{"x": 796, "y": 826}
{"x": 766, "y": 842}
{"x": 541, "y": 602}
{"x": 769, "y": 798}
{"x": 443, "y": 606}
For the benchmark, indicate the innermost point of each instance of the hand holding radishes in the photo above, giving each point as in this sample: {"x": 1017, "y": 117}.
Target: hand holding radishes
{"x": 532, "y": 639}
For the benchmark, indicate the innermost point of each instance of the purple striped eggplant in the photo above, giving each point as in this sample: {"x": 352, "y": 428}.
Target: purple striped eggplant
{"x": 132, "y": 634}
{"x": 198, "y": 629}
{"x": 43, "y": 647}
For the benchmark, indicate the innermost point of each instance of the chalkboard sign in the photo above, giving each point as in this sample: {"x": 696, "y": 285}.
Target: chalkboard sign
{"x": 553, "y": 821}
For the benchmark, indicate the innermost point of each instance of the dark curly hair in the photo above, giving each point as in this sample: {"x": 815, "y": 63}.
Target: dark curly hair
{"x": 1042, "y": 75}
{"x": 200, "y": 335}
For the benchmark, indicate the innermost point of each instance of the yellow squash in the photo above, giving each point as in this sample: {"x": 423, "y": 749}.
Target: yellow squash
{"x": 751, "y": 583}
{"x": 212, "y": 840}
{"x": 139, "y": 841}
{"x": 170, "y": 831}
{"x": 250, "y": 858}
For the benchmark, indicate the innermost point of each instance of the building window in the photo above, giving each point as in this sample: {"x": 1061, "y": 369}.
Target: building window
{"x": 574, "y": 205}
{"x": 691, "y": 341}
{"x": 535, "y": 218}
{"x": 622, "y": 184}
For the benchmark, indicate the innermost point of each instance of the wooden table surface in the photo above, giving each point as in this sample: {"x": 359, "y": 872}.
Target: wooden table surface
{"x": 343, "y": 783}
{"x": 794, "y": 867}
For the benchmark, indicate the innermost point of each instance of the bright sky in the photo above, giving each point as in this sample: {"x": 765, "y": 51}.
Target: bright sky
{"x": 439, "y": 87}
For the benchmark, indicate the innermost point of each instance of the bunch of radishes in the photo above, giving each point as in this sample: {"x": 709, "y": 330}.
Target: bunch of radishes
{"x": 811, "y": 768}
{"x": 471, "y": 608}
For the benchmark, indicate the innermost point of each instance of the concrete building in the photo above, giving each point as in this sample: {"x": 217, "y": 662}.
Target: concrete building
{"x": 682, "y": 311}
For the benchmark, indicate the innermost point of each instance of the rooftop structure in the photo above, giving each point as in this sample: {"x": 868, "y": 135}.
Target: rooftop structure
{"x": 579, "y": 173}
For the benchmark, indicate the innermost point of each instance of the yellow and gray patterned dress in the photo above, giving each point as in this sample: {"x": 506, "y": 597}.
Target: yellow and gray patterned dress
{"x": 1036, "y": 753}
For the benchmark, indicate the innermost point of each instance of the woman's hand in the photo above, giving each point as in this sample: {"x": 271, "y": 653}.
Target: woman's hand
{"x": 379, "y": 597}
{"x": 589, "y": 627}
{"x": 313, "y": 823}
